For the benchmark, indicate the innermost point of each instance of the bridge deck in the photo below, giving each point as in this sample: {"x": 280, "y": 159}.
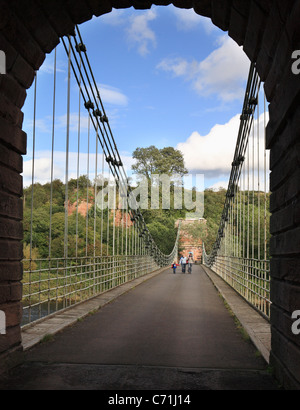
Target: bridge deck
{"x": 171, "y": 332}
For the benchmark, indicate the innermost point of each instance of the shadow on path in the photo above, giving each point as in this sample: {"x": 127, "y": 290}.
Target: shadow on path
{"x": 172, "y": 332}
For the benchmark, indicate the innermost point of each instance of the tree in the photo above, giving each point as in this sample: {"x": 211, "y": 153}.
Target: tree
{"x": 151, "y": 160}
{"x": 163, "y": 232}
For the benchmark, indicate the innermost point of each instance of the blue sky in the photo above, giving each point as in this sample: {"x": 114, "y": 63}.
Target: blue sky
{"x": 167, "y": 77}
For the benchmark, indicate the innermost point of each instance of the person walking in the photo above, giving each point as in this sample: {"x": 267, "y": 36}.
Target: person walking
{"x": 190, "y": 262}
{"x": 183, "y": 264}
{"x": 174, "y": 266}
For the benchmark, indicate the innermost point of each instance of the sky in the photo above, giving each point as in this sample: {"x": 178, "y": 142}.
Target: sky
{"x": 167, "y": 77}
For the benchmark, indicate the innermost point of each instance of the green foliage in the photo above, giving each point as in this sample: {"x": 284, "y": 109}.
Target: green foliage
{"x": 163, "y": 231}
{"x": 160, "y": 222}
{"x": 151, "y": 160}
{"x": 213, "y": 209}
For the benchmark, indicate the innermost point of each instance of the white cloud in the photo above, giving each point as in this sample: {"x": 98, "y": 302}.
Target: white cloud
{"x": 61, "y": 121}
{"x": 114, "y": 18}
{"x": 48, "y": 66}
{"x": 220, "y": 184}
{"x": 178, "y": 66}
{"x": 136, "y": 27}
{"x": 213, "y": 153}
{"x": 223, "y": 73}
{"x": 42, "y": 166}
{"x": 140, "y": 34}
{"x": 109, "y": 95}
{"x": 112, "y": 95}
{"x": 188, "y": 19}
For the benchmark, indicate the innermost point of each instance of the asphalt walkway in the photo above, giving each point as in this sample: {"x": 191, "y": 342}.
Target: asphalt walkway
{"x": 172, "y": 332}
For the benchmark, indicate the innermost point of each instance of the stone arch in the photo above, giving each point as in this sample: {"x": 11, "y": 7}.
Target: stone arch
{"x": 269, "y": 32}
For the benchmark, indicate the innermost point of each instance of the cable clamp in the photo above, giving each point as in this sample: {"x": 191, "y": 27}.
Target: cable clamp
{"x": 80, "y": 47}
{"x": 103, "y": 118}
{"x": 88, "y": 105}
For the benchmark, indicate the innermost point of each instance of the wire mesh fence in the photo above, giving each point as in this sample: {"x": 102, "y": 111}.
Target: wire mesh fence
{"x": 249, "y": 277}
{"x": 240, "y": 254}
{"x": 55, "y": 284}
{"x": 78, "y": 241}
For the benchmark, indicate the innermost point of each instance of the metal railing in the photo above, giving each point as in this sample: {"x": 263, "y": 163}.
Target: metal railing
{"x": 53, "y": 285}
{"x": 240, "y": 254}
{"x": 249, "y": 277}
{"x": 75, "y": 247}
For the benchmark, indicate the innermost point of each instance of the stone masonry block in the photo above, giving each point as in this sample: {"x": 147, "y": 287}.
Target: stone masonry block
{"x": 286, "y": 268}
{"x": 284, "y": 8}
{"x": 255, "y": 30}
{"x": 12, "y": 90}
{"x": 281, "y": 145}
{"x": 13, "y": 313}
{"x": 10, "y": 112}
{"x": 285, "y": 295}
{"x": 286, "y": 218}
{"x": 11, "y": 339}
{"x": 143, "y": 4}
{"x": 98, "y": 8}
{"x": 36, "y": 23}
{"x": 11, "y": 249}
{"x": 237, "y": 27}
{"x": 280, "y": 68}
{"x": 10, "y": 52}
{"x": 271, "y": 36}
{"x": 285, "y": 168}
{"x": 286, "y": 243}
{"x": 203, "y": 7}
{"x": 282, "y": 220}
{"x": 221, "y": 10}
{"x": 11, "y": 206}
{"x": 78, "y": 10}
{"x": 242, "y": 6}
{"x": 287, "y": 352}
{"x": 57, "y": 16}
{"x": 182, "y": 3}
{"x": 11, "y": 270}
{"x": 11, "y": 159}
{"x": 284, "y": 105}
{"x": 265, "y": 5}
{"x": 22, "y": 72}
{"x": 10, "y": 181}
{"x": 10, "y": 229}
{"x": 121, "y": 4}
{"x": 286, "y": 193}
{"x": 13, "y": 136}
{"x": 10, "y": 292}
{"x": 263, "y": 63}
{"x": 16, "y": 33}
{"x": 283, "y": 320}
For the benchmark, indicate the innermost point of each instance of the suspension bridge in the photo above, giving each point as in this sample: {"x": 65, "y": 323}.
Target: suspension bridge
{"x": 101, "y": 307}
{"x": 115, "y": 250}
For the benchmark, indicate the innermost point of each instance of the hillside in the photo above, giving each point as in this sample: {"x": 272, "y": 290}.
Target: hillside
{"x": 88, "y": 227}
